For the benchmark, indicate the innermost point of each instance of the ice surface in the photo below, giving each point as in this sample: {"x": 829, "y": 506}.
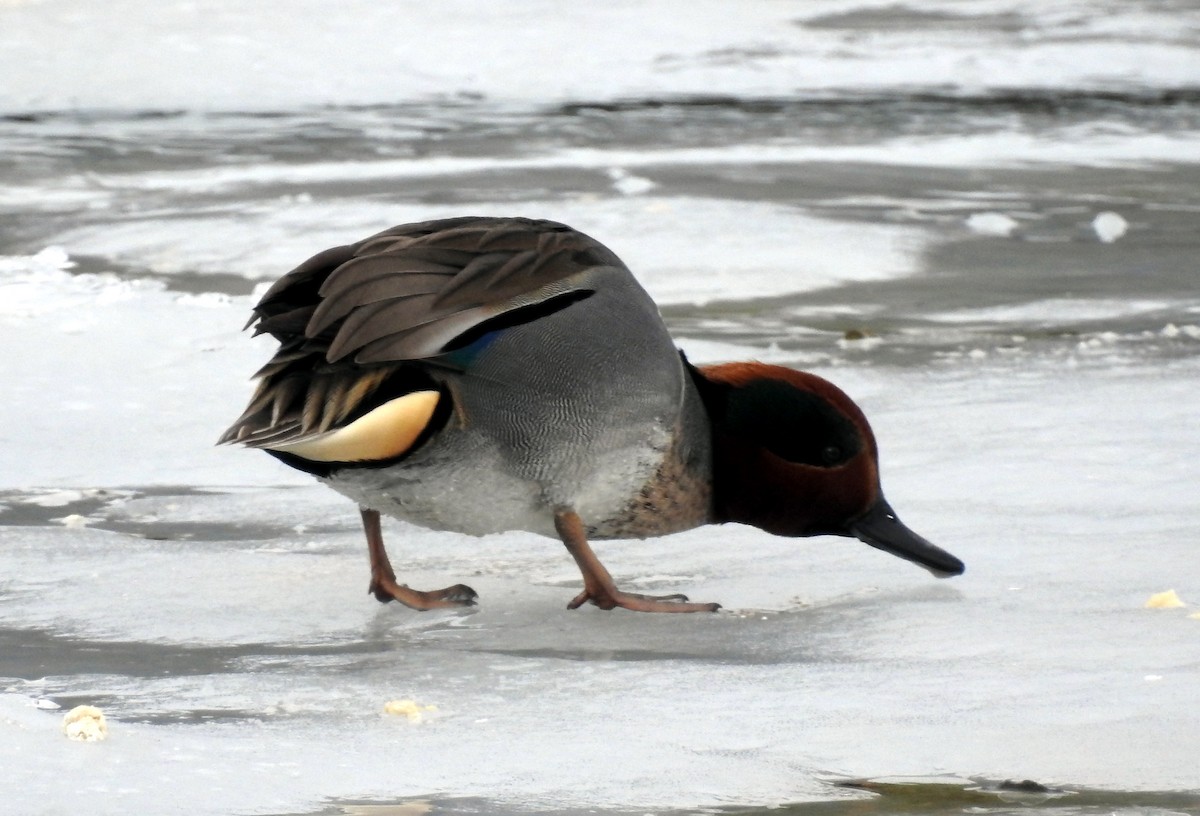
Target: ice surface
{"x": 224, "y": 55}
{"x": 253, "y": 671}
{"x": 227, "y": 635}
{"x": 683, "y": 262}
{"x": 72, "y": 341}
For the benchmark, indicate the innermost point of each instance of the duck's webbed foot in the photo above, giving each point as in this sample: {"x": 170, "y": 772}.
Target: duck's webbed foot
{"x": 598, "y": 586}
{"x": 606, "y": 599}
{"x": 383, "y": 578}
{"x": 385, "y": 589}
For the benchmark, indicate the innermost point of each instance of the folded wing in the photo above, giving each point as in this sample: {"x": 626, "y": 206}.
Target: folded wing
{"x": 354, "y": 321}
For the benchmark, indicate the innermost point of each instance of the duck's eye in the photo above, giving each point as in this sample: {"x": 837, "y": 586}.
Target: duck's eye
{"x": 831, "y": 454}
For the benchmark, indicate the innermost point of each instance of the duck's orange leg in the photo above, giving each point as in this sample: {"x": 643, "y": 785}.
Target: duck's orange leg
{"x": 383, "y": 578}
{"x": 598, "y": 586}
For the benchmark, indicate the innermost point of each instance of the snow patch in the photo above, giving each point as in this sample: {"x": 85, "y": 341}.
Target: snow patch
{"x": 1109, "y": 226}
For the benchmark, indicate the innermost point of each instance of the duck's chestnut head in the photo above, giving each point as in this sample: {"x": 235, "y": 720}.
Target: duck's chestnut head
{"x": 793, "y": 455}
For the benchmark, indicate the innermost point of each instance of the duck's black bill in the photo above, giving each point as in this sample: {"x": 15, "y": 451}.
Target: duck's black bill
{"x": 880, "y": 528}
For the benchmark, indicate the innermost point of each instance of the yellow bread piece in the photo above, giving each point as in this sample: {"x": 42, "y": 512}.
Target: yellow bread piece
{"x": 85, "y": 723}
{"x": 407, "y": 708}
{"x": 1165, "y": 600}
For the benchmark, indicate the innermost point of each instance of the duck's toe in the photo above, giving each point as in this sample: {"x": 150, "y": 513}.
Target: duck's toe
{"x": 386, "y": 590}
{"x": 611, "y": 599}
{"x": 459, "y": 594}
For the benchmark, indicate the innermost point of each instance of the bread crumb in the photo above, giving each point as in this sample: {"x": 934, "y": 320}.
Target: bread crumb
{"x": 85, "y": 723}
{"x": 1165, "y": 600}
{"x": 407, "y": 708}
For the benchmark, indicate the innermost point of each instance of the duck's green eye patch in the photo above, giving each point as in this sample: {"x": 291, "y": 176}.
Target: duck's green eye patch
{"x": 791, "y": 423}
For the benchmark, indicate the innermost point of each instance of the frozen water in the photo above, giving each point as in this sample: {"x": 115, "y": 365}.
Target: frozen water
{"x": 219, "y": 54}
{"x": 248, "y": 665}
{"x": 911, "y": 199}
{"x": 263, "y": 243}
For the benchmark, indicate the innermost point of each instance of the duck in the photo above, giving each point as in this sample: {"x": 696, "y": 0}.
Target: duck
{"x": 488, "y": 374}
